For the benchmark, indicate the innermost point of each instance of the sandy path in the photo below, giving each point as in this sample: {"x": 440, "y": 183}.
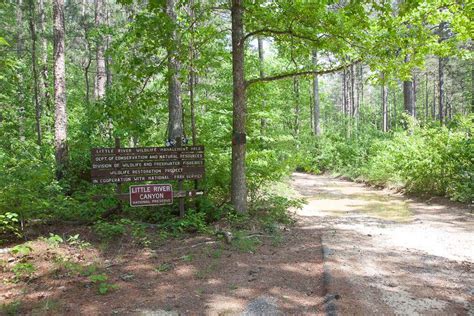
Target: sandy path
{"x": 386, "y": 254}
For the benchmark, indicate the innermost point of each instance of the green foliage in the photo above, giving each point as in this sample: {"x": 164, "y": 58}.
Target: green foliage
{"x": 108, "y": 231}
{"x": 429, "y": 159}
{"x": 75, "y": 240}
{"x": 164, "y": 267}
{"x": 53, "y": 240}
{"x": 22, "y": 249}
{"x": 244, "y": 242}
{"x": 23, "y": 271}
{"x": 101, "y": 281}
{"x": 9, "y": 223}
{"x": 11, "y": 309}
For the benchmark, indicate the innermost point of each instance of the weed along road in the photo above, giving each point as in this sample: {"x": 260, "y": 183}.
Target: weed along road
{"x": 385, "y": 254}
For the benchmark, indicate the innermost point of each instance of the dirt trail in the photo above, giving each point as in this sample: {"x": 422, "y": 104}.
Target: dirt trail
{"x": 387, "y": 254}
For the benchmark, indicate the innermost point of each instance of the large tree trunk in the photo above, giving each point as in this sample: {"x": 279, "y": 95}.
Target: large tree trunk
{"x": 101, "y": 75}
{"x": 32, "y": 21}
{"x": 384, "y": 105}
{"x": 316, "y": 109}
{"x": 441, "y": 101}
{"x": 238, "y": 182}
{"x": 60, "y": 123}
{"x": 175, "y": 109}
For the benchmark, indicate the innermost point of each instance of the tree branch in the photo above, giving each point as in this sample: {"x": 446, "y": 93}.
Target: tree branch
{"x": 298, "y": 74}
{"x": 282, "y": 32}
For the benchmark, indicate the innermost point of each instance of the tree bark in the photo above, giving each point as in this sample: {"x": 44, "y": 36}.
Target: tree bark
{"x": 192, "y": 75}
{"x": 60, "y": 123}
{"x": 20, "y": 86}
{"x": 38, "y": 109}
{"x": 408, "y": 95}
{"x": 352, "y": 90}
{"x": 101, "y": 75}
{"x": 175, "y": 109}
{"x": 427, "y": 106}
{"x": 344, "y": 92}
{"x": 441, "y": 101}
{"x": 238, "y": 179}
{"x": 384, "y": 105}
{"x": 44, "y": 79}
{"x": 316, "y": 109}
{"x": 296, "y": 91}
{"x": 262, "y": 75}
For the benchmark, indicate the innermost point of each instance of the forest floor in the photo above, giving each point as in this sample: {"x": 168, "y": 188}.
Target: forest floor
{"x": 387, "y": 254}
{"x": 353, "y": 250}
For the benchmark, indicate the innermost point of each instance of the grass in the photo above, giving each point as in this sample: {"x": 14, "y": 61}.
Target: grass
{"x": 164, "y": 267}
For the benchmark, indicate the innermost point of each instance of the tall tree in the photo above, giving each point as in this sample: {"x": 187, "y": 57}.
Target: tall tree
{"x": 44, "y": 78}
{"x": 441, "y": 93}
{"x": 101, "y": 74}
{"x": 175, "y": 109}
{"x": 384, "y": 105}
{"x": 238, "y": 182}
{"x": 192, "y": 72}
{"x": 261, "y": 64}
{"x": 20, "y": 86}
{"x": 316, "y": 106}
{"x": 34, "y": 66}
{"x": 60, "y": 122}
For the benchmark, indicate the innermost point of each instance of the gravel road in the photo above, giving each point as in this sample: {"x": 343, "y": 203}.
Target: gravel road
{"x": 388, "y": 254}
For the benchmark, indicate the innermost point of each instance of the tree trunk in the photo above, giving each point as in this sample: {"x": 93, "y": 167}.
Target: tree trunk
{"x": 44, "y": 57}
{"x": 192, "y": 74}
{"x": 408, "y": 97}
{"x": 384, "y": 105}
{"x": 108, "y": 60}
{"x": 427, "y": 106}
{"x": 344, "y": 91}
{"x": 175, "y": 108}
{"x": 352, "y": 91}
{"x": 101, "y": 75}
{"x": 395, "y": 107}
{"x": 262, "y": 74}
{"x": 35, "y": 72}
{"x": 441, "y": 101}
{"x": 238, "y": 182}
{"x": 414, "y": 96}
{"x": 361, "y": 84}
{"x": 296, "y": 91}
{"x": 19, "y": 53}
{"x": 60, "y": 123}
{"x": 316, "y": 109}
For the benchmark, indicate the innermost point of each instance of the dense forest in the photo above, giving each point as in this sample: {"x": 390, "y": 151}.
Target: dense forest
{"x": 378, "y": 91}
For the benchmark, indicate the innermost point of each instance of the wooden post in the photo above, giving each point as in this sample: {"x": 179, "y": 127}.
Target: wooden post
{"x": 182, "y": 211}
{"x": 118, "y": 189}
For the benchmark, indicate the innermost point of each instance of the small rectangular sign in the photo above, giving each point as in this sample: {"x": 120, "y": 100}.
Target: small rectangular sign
{"x": 151, "y": 194}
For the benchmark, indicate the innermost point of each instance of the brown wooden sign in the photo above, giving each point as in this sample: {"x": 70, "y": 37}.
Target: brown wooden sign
{"x": 151, "y": 194}
{"x": 118, "y": 165}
